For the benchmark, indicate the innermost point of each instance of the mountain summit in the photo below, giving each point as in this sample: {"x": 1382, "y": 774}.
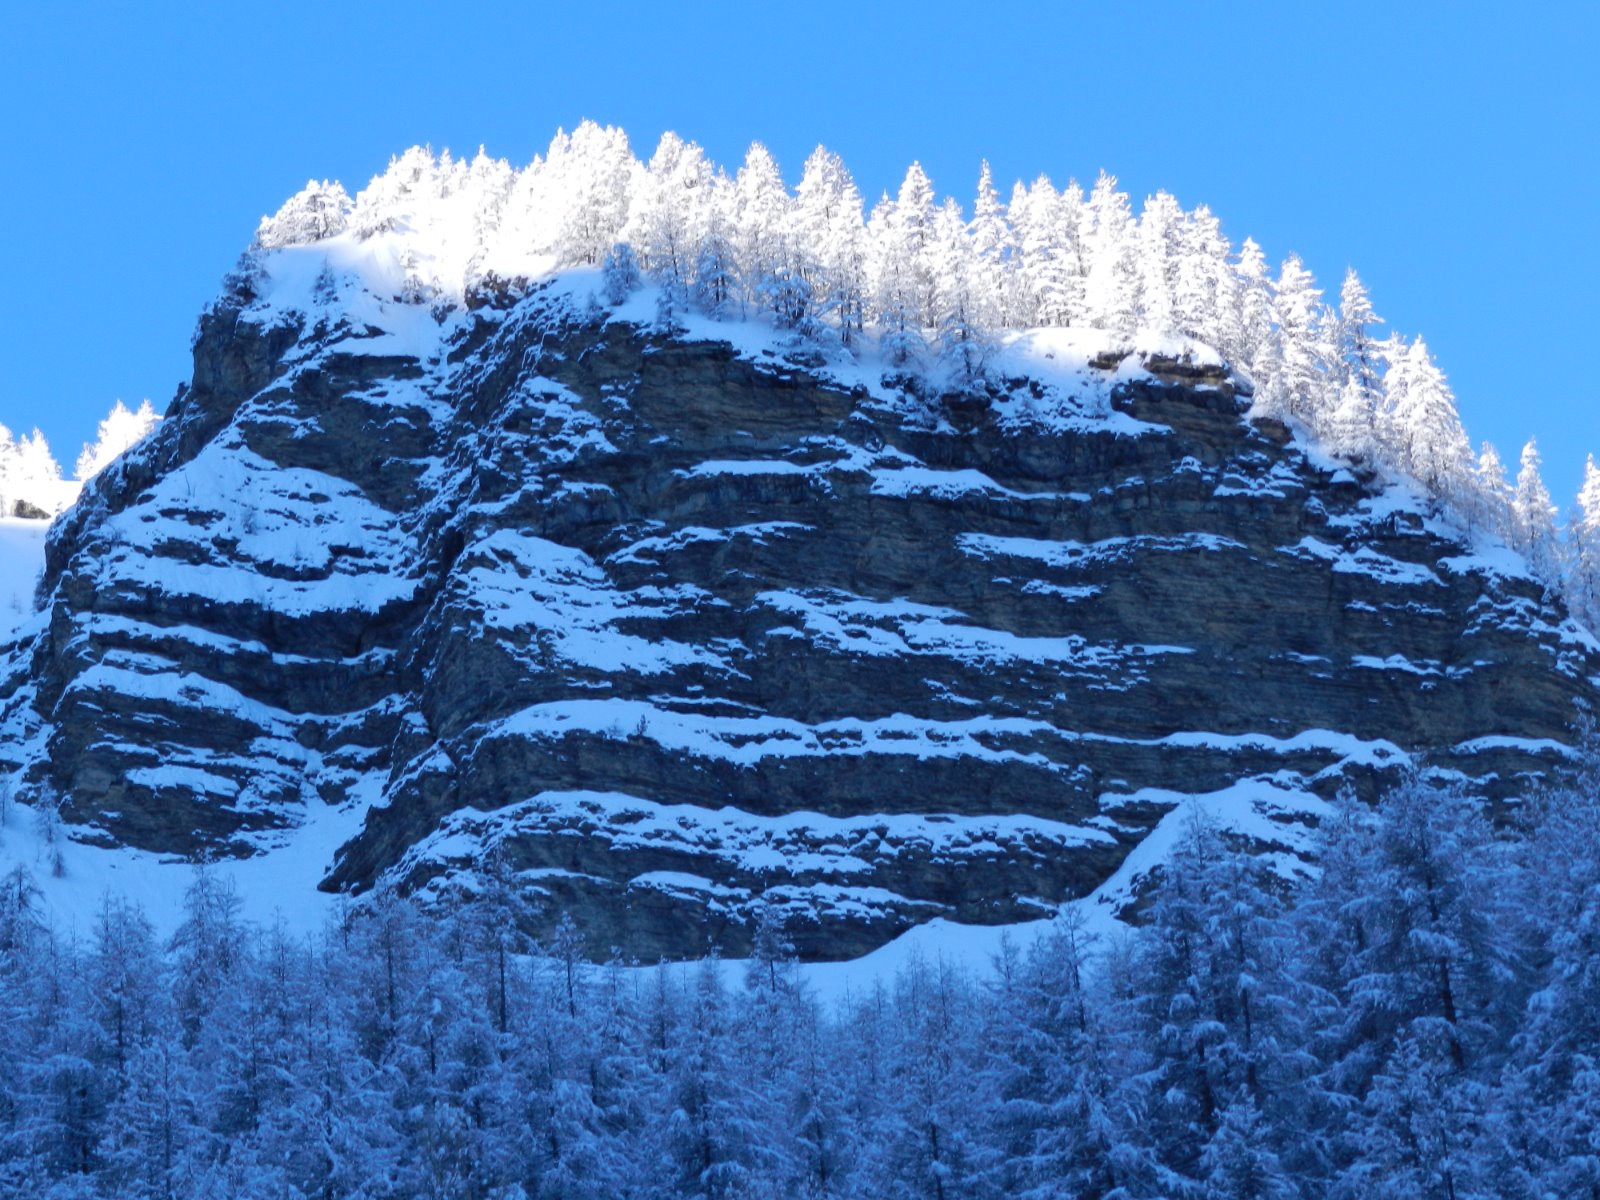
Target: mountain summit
{"x": 670, "y": 547}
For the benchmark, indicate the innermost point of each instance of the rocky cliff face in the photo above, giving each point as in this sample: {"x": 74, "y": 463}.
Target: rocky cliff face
{"x": 660, "y": 629}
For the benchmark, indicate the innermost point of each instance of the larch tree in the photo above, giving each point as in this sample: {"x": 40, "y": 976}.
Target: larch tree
{"x": 831, "y": 243}
{"x": 1160, "y": 249}
{"x": 1250, "y": 332}
{"x": 716, "y": 267}
{"x": 1358, "y": 352}
{"x": 895, "y": 286}
{"x": 667, "y": 217}
{"x": 1533, "y": 516}
{"x": 1299, "y": 336}
{"x": 1111, "y": 285}
{"x": 1426, "y": 428}
{"x": 1043, "y": 291}
{"x": 1206, "y": 290}
{"x": 1492, "y": 510}
{"x": 1583, "y": 540}
{"x": 993, "y": 251}
{"x": 762, "y": 234}
{"x": 965, "y": 339}
{"x": 911, "y": 237}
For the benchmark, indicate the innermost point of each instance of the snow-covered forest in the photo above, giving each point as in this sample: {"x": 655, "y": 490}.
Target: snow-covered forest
{"x": 1419, "y": 1018}
{"x": 31, "y": 480}
{"x": 930, "y": 285}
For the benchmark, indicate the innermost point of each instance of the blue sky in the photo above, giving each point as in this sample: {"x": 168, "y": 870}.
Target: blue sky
{"x": 1447, "y": 151}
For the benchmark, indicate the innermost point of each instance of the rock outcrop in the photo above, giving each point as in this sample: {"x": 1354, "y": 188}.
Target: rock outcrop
{"x": 661, "y": 630}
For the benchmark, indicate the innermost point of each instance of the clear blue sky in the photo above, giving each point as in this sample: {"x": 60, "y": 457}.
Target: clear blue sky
{"x": 1448, "y": 151}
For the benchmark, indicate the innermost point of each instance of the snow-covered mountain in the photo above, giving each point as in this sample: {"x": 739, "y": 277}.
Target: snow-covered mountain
{"x": 459, "y": 555}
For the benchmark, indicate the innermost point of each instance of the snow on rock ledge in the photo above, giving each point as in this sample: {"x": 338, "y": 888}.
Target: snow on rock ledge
{"x": 678, "y": 625}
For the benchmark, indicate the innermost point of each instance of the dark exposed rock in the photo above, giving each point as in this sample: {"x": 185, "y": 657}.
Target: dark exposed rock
{"x": 671, "y": 630}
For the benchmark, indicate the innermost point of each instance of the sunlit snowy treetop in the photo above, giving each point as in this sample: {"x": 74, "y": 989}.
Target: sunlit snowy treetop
{"x": 30, "y": 477}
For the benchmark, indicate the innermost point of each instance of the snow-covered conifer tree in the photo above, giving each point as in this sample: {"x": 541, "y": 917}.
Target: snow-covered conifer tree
{"x": 965, "y": 339}
{"x": 596, "y": 169}
{"x": 1160, "y": 249}
{"x": 10, "y": 456}
{"x": 619, "y": 275}
{"x": 1491, "y": 508}
{"x": 490, "y": 182}
{"x": 1048, "y": 287}
{"x": 316, "y": 211}
{"x": 1205, "y": 298}
{"x": 1358, "y": 352}
{"x": 668, "y": 213}
{"x": 1350, "y": 427}
{"x": 30, "y": 477}
{"x": 1239, "y": 1162}
{"x": 1300, "y": 342}
{"x": 762, "y": 234}
{"x": 994, "y": 252}
{"x": 1533, "y": 516}
{"x": 895, "y": 286}
{"x": 1250, "y": 331}
{"x": 1583, "y": 570}
{"x": 1111, "y": 285}
{"x": 716, "y": 270}
{"x": 403, "y": 192}
{"x": 831, "y": 242}
{"x": 1425, "y": 427}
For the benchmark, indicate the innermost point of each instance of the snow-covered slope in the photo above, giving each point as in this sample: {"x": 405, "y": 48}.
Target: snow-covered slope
{"x": 21, "y": 564}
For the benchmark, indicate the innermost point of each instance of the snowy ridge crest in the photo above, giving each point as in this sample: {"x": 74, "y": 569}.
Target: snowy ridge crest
{"x": 934, "y": 288}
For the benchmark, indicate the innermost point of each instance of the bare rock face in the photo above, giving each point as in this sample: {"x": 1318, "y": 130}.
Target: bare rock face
{"x": 663, "y": 631}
